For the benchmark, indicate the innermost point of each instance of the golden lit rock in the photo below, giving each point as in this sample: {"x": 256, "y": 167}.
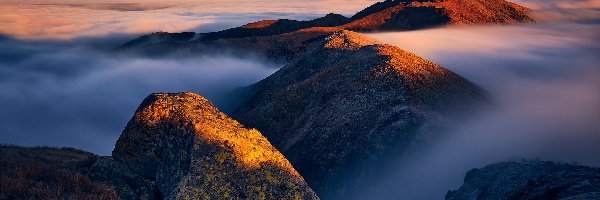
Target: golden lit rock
{"x": 192, "y": 150}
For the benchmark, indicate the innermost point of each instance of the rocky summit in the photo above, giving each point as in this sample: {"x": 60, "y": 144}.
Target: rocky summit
{"x": 416, "y": 14}
{"x": 191, "y": 150}
{"x": 346, "y": 108}
{"x": 530, "y": 180}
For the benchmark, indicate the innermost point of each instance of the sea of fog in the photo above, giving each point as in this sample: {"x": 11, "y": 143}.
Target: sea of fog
{"x": 61, "y": 84}
{"x": 73, "y": 90}
{"x": 544, "y": 80}
{"x": 77, "y": 96}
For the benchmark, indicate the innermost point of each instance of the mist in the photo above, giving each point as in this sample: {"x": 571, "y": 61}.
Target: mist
{"x": 79, "y": 94}
{"x": 544, "y": 80}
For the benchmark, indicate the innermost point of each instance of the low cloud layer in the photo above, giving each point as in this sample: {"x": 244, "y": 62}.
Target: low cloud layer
{"x": 545, "y": 81}
{"x": 560, "y": 4}
{"x": 74, "y": 94}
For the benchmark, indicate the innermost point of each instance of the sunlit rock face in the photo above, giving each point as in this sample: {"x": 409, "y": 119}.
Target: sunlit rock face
{"x": 192, "y": 150}
{"x": 530, "y": 180}
{"x": 416, "y": 14}
{"x": 348, "y": 108}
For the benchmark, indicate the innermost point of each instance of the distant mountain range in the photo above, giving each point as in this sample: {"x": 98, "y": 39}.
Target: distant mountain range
{"x": 285, "y": 40}
{"x": 342, "y": 111}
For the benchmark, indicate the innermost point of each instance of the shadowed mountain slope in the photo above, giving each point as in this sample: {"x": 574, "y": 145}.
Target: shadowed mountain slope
{"x": 255, "y": 29}
{"x": 530, "y": 180}
{"x": 344, "y": 109}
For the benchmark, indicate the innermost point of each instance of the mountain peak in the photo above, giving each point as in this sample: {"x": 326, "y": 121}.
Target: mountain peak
{"x": 339, "y": 111}
{"x": 377, "y": 7}
{"x": 344, "y": 39}
{"x": 332, "y": 15}
{"x": 418, "y": 14}
{"x": 285, "y": 40}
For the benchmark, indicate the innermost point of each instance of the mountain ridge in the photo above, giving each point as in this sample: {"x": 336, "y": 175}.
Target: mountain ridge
{"x": 417, "y": 14}
{"x": 338, "y": 112}
{"x": 284, "y": 40}
{"x": 274, "y": 27}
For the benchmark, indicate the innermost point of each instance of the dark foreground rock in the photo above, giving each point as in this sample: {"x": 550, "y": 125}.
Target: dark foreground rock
{"x": 127, "y": 183}
{"x": 347, "y": 108}
{"x": 530, "y": 180}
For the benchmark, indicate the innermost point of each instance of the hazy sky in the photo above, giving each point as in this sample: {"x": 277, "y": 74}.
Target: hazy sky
{"x": 64, "y": 19}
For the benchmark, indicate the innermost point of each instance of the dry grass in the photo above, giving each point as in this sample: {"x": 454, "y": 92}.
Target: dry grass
{"x": 36, "y": 173}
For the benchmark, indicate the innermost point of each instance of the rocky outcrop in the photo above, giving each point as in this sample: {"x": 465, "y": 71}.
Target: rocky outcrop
{"x": 177, "y": 146}
{"x": 530, "y": 180}
{"x": 189, "y": 149}
{"x": 341, "y": 111}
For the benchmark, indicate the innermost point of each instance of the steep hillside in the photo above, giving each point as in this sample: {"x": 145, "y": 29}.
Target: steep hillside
{"x": 530, "y": 180}
{"x": 342, "y": 110}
